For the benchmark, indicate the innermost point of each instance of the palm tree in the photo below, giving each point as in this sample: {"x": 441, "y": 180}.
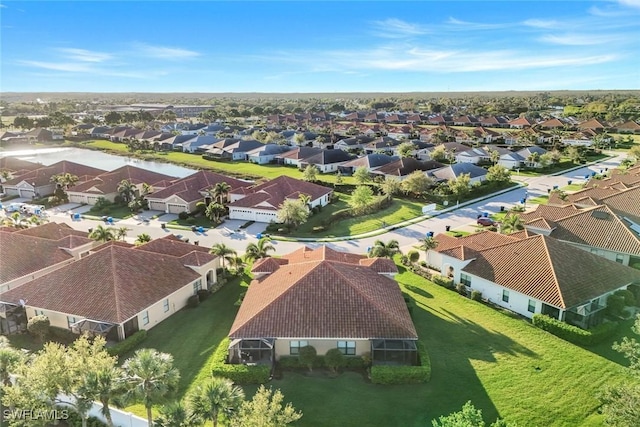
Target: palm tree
{"x": 5, "y": 175}
{"x": 237, "y": 263}
{"x": 104, "y": 386}
{"x": 15, "y": 220}
{"x": 175, "y": 414}
{"x": 102, "y": 234}
{"x": 533, "y": 158}
{"x": 305, "y": 199}
{"x": 142, "y": 238}
{"x": 494, "y": 155}
{"x": 127, "y": 190}
{"x": 259, "y": 250}
{"x": 384, "y": 250}
{"x": 511, "y": 224}
{"x": 218, "y": 396}
{"x": 221, "y": 192}
{"x": 214, "y": 211}
{"x": 427, "y": 244}
{"x": 150, "y": 377}
{"x": 121, "y": 233}
{"x": 223, "y": 251}
{"x": 65, "y": 180}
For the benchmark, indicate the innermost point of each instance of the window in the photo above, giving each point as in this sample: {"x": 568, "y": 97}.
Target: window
{"x": 347, "y": 347}
{"x": 620, "y": 258}
{"x": 465, "y": 279}
{"x": 70, "y": 321}
{"x": 505, "y": 295}
{"x": 532, "y": 306}
{"x": 166, "y": 305}
{"x": 145, "y": 318}
{"x": 197, "y": 285}
{"x": 295, "y": 346}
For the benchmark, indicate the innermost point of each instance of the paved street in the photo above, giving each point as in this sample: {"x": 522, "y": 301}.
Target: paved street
{"x": 406, "y": 236}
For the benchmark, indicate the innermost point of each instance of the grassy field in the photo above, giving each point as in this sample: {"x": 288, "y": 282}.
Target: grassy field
{"x": 505, "y": 366}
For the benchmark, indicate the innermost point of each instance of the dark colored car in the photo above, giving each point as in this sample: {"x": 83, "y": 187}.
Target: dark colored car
{"x": 486, "y": 222}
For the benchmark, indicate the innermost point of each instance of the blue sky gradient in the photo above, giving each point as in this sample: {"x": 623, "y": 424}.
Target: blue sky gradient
{"x": 362, "y": 46}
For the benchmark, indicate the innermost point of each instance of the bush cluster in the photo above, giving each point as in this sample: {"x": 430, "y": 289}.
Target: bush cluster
{"x": 183, "y": 216}
{"x": 193, "y": 301}
{"x": 293, "y": 362}
{"x": 476, "y": 295}
{"x": 383, "y": 374}
{"x": 575, "y": 334}
{"x": 62, "y": 334}
{"x": 128, "y": 344}
{"x": 239, "y": 374}
{"x": 443, "y": 281}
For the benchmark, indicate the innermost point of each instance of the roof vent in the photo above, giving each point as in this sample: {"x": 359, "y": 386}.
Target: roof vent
{"x": 600, "y": 214}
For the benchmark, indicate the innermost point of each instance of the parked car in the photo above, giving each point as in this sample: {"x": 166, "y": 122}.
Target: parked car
{"x": 486, "y": 222}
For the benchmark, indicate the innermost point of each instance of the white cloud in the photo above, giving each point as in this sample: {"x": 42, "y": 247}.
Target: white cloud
{"x": 540, "y": 23}
{"x": 466, "y": 25}
{"x": 3, "y": 6}
{"x": 397, "y": 28}
{"x": 84, "y": 55}
{"x": 630, "y": 3}
{"x": 164, "y": 52}
{"x": 579, "y": 39}
{"x": 58, "y": 66}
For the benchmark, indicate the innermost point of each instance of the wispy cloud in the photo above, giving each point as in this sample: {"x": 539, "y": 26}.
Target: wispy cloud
{"x": 579, "y": 39}
{"x": 164, "y": 52}
{"x": 466, "y": 25}
{"x": 630, "y": 3}
{"x": 541, "y": 23}
{"x": 84, "y": 55}
{"x": 3, "y": 6}
{"x": 58, "y": 66}
{"x": 397, "y": 28}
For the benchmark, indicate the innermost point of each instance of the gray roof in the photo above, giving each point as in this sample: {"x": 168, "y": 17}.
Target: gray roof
{"x": 526, "y": 152}
{"x": 455, "y": 170}
{"x": 269, "y": 149}
{"x": 371, "y": 161}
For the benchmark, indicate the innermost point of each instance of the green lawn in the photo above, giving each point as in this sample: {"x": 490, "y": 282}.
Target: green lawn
{"x": 246, "y": 169}
{"x": 540, "y": 200}
{"x": 114, "y": 211}
{"x": 572, "y": 187}
{"x": 505, "y": 366}
{"x": 564, "y": 164}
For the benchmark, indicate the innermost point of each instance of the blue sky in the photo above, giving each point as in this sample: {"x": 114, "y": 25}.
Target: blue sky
{"x": 360, "y": 46}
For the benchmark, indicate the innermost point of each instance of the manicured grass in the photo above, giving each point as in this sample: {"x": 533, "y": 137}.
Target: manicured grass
{"x": 246, "y": 169}
{"x": 572, "y": 187}
{"x": 540, "y": 200}
{"x": 114, "y": 211}
{"x": 457, "y": 233}
{"x": 199, "y": 221}
{"x": 340, "y": 202}
{"x": 564, "y": 164}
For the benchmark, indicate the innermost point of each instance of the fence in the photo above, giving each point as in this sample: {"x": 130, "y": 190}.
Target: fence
{"x": 119, "y": 417}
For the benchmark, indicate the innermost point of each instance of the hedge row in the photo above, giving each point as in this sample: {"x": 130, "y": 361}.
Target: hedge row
{"x": 128, "y": 344}
{"x": 575, "y": 334}
{"x": 239, "y": 374}
{"x": 293, "y": 362}
{"x": 443, "y": 281}
{"x": 384, "y": 374}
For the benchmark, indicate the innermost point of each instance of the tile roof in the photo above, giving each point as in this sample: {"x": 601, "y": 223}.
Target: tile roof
{"x": 276, "y": 191}
{"x": 110, "y": 285}
{"x": 326, "y": 157}
{"x": 406, "y": 165}
{"x": 371, "y": 161}
{"x": 42, "y": 175}
{"x": 323, "y": 299}
{"x": 13, "y": 164}
{"x": 107, "y": 183}
{"x": 52, "y": 231}
{"x": 549, "y": 212}
{"x": 595, "y": 193}
{"x": 455, "y": 170}
{"x": 476, "y": 241}
{"x": 22, "y": 254}
{"x": 625, "y": 203}
{"x": 173, "y": 246}
{"x": 551, "y": 271}
{"x": 300, "y": 153}
{"x": 190, "y": 188}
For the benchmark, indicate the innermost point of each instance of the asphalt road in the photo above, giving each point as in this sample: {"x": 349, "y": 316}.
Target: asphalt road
{"x": 406, "y": 237}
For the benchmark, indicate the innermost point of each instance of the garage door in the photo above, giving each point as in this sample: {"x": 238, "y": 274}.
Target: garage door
{"x": 76, "y": 198}
{"x": 157, "y": 206}
{"x": 92, "y": 200}
{"x": 241, "y": 214}
{"x": 25, "y": 193}
{"x": 175, "y": 208}
{"x": 265, "y": 216}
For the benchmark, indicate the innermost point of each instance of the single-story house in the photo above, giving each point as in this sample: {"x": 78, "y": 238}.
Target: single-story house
{"x": 628, "y": 127}
{"x": 325, "y": 299}
{"x": 534, "y": 274}
{"x": 383, "y": 143}
{"x": 521, "y": 123}
{"x": 370, "y": 161}
{"x": 473, "y": 155}
{"x": 403, "y": 167}
{"x": 192, "y": 144}
{"x": 106, "y": 184}
{"x": 296, "y": 155}
{"x": 453, "y": 171}
{"x": 327, "y": 160}
{"x": 43, "y": 135}
{"x": 233, "y": 150}
{"x": 526, "y": 153}
{"x": 267, "y": 153}
{"x": 37, "y": 183}
{"x": 261, "y": 203}
{"x": 118, "y": 289}
{"x": 353, "y": 143}
{"x": 16, "y": 167}
{"x": 184, "y": 194}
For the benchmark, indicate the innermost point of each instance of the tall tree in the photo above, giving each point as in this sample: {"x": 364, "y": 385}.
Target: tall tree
{"x": 361, "y": 175}
{"x": 406, "y": 149}
{"x": 127, "y": 190}
{"x": 417, "y": 183}
{"x": 141, "y": 239}
{"x": 218, "y": 396}
{"x": 103, "y": 234}
{"x": 361, "y": 197}
{"x": 292, "y": 212}
{"x": 310, "y": 173}
{"x": 381, "y": 249}
{"x": 214, "y": 211}
{"x": 260, "y": 249}
{"x": 221, "y": 192}
{"x": 266, "y": 409}
{"x": 150, "y": 376}
{"x": 223, "y": 251}
{"x": 497, "y": 173}
{"x": 104, "y": 385}
{"x": 121, "y": 232}
{"x": 511, "y": 223}
{"x": 10, "y": 359}
{"x": 427, "y": 244}
{"x": 459, "y": 187}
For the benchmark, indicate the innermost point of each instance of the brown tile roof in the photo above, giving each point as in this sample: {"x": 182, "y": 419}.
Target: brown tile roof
{"x": 625, "y": 203}
{"x": 477, "y": 241}
{"x": 107, "y": 183}
{"x": 276, "y": 191}
{"x": 173, "y": 246}
{"x": 300, "y": 153}
{"x": 13, "y": 164}
{"x": 380, "y": 265}
{"x": 42, "y": 176}
{"x": 268, "y": 265}
{"x": 630, "y": 125}
{"x": 551, "y": 271}
{"x": 522, "y": 234}
{"x": 460, "y": 252}
{"x": 598, "y": 227}
{"x": 595, "y": 193}
{"x": 21, "y": 255}
{"x": 323, "y": 299}
{"x": 110, "y": 285}
{"x": 593, "y": 124}
{"x": 549, "y": 212}
{"x": 52, "y": 231}
{"x": 541, "y": 223}
{"x": 552, "y": 123}
{"x": 191, "y": 188}
{"x": 407, "y": 165}
{"x": 521, "y": 121}
{"x": 629, "y": 179}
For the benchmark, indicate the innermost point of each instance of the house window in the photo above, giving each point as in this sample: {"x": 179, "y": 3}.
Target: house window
{"x": 197, "y": 285}
{"x": 70, "y": 321}
{"x": 465, "y": 279}
{"x": 347, "y": 347}
{"x": 295, "y": 346}
{"x": 145, "y": 317}
{"x": 165, "y": 304}
{"x": 505, "y": 295}
{"x": 532, "y": 306}
{"x": 620, "y": 258}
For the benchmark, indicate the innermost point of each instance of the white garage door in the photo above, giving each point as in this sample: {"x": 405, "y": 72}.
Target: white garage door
{"x": 92, "y": 200}
{"x": 157, "y": 206}
{"x": 25, "y": 193}
{"x": 176, "y": 208}
{"x": 265, "y": 216}
{"x": 76, "y": 198}
{"x": 241, "y": 214}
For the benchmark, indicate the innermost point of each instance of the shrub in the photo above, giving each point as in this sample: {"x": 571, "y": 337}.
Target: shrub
{"x": 355, "y": 362}
{"x": 183, "y": 215}
{"x": 74, "y": 419}
{"x": 413, "y": 256}
{"x": 203, "y": 294}
{"x": 39, "y": 326}
{"x": 476, "y": 295}
{"x": 238, "y": 302}
{"x": 572, "y": 333}
{"x": 615, "y": 304}
{"x": 629, "y": 298}
{"x": 461, "y": 289}
{"x": 383, "y": 374}
{"x": 404, "y": 260}
{"x": 423, "y": 263}
{"x": 307, "y": 356}
{"x": 240, "y": 374}
{"x": 318, "y": 229}
{"x": 128, "y": 344}
{"x": 193, "y": 301}
{"x": 62, "y": 334}
{"x": 293, "y": 362}
{"x": 334, "y": 359}
{"x": 443, "y": 281}
{"x": 191, "y": 221}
